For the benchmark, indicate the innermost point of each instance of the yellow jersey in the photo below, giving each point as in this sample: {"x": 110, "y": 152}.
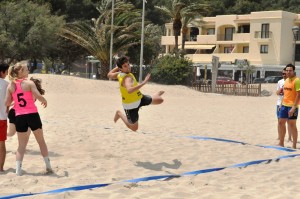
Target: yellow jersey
{"x": 130, "y": 100}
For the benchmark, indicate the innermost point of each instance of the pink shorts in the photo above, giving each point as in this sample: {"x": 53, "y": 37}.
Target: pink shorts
{"x": 3, "y": 130}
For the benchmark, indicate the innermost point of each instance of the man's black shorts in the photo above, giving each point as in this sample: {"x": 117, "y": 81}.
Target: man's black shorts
{"x": 133, "y": 114}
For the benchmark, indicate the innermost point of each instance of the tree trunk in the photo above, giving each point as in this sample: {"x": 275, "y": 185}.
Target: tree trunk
{"x": 176, "y": 28}
{"x": 103, "y": 70}
{"x": 184, "y": 33}
{"x": 33, "y": 66}
{"x": 176, "y": 45}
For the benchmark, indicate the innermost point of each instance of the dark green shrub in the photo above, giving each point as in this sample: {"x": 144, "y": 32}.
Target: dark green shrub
{"x": 170, "y": 69}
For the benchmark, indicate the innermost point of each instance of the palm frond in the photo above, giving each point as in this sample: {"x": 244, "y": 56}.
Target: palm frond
{"x": 96, "y": 37}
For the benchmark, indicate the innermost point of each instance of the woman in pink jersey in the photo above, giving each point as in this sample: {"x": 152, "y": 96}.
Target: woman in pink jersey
{"x": 23, "y": 92}
{"x": 12, "y": 114}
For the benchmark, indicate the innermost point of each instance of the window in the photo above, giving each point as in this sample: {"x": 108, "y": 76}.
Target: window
{"x": 245, "y": 49}
{"x": 229, "y": 34}
{"x": 264, "y": 49}
{"x": 227, "y": 49}
{"x": 169, "y": 32}
{"x": 193, "y": 33}
{"x": 210, "y": 31}
{"x": 297, "y": 53}
{"x": 244, "y": 29}
{"x": 265, "y": 30}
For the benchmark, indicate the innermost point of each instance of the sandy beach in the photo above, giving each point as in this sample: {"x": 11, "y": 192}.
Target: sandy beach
{"x": 87, "y": 148}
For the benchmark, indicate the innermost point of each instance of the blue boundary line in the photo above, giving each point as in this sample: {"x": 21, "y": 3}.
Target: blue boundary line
{"x": 243, "y": 143}
{"x": 150, "y": 178}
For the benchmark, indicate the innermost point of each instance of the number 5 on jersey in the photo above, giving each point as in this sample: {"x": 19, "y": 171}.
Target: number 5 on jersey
{"x": 22, "y": 101}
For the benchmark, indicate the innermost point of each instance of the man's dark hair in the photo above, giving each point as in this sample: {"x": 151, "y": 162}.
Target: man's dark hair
{"x": 122, "y": 60}
{"x": 290, "y": 65}
{"x": 3, "y": 67}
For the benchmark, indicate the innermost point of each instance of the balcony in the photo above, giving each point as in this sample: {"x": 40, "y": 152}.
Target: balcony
{"x": 206, "y": 58}
{"x": 263, "y": 35}
{"x": 225, "y": 37}
{"x": 241, "y": 37}
{"x": 210, "y": 39}
{"x": 169, "y": 40}
{"x": 206, "y": 39}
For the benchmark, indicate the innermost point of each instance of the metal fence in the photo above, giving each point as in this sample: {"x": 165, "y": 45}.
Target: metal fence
{"x": 230, "y": 89}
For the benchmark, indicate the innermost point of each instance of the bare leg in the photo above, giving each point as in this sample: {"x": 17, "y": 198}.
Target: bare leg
{"x": 23, "y": 140}
{"x": 119, "y": 114}
{"x": 294, "y": 132}
{"x": 157, "y": 99}
{"x": 2, "y": 155}
{"x": 282, "y": 131}
{"x": 39, "y": 136}
{"x": 11, "y": 129}
{"x": 289, "y": 133}
{"x": 278, "y": 130}
{"x": 116, "y": 116}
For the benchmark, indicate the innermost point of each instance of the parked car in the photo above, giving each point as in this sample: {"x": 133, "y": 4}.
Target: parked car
{"x": 273, "y": 79}
{"x": 226, "y": 80}
{"x": 259, "y": 80}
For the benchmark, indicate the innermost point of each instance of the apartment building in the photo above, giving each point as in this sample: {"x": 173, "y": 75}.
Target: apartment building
{"x": 265, "y": 40}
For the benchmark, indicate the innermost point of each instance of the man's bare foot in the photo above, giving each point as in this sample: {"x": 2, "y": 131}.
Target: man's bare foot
{"x": 117, "y": 116}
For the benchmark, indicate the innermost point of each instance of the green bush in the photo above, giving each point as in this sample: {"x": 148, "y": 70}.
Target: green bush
{"x": 172, "y": 70}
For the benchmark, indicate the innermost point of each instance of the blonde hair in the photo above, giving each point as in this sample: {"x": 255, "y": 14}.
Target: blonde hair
{"x": 14, "y": 70}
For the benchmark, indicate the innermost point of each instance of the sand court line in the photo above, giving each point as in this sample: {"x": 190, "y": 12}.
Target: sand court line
{"x": 152, "y": 178}
{"x": 243, "y": 143}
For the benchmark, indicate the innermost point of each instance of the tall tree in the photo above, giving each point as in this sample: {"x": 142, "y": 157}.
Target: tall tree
{"x": 151, "y": 14}
{"x": 152, "y": 47}
{"x": 244, "y": 7}
{"x": 95, "y": 38}
{"x": 27, "y": 30}
{"x": 173, "y": 11}
{"x": 192, "y": 17}
{"x": 183, "y": 11}
{"x": 74, "y": 10}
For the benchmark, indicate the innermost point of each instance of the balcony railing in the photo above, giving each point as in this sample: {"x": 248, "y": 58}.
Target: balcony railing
{"x": 225, "y": 37}
{"x": 206, "y": 39}
{"x": 263, "y": 34}
{"x": 241, "y": 37}
{"x": 206, "y": 58}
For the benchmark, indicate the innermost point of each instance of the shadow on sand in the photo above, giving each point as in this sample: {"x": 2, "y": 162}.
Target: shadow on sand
{"x": 158, "y": 166}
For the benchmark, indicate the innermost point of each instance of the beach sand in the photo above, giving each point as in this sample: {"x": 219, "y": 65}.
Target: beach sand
{"x": 86, "y": 147}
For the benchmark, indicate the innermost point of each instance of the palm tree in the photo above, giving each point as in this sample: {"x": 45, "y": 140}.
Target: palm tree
{"x": 182, "y": 13}
{"x": 96, "y": 38}
{"x": 189, "y": 21}
{"x": 192, "y": 16}
{"x": 174, "y": 12}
